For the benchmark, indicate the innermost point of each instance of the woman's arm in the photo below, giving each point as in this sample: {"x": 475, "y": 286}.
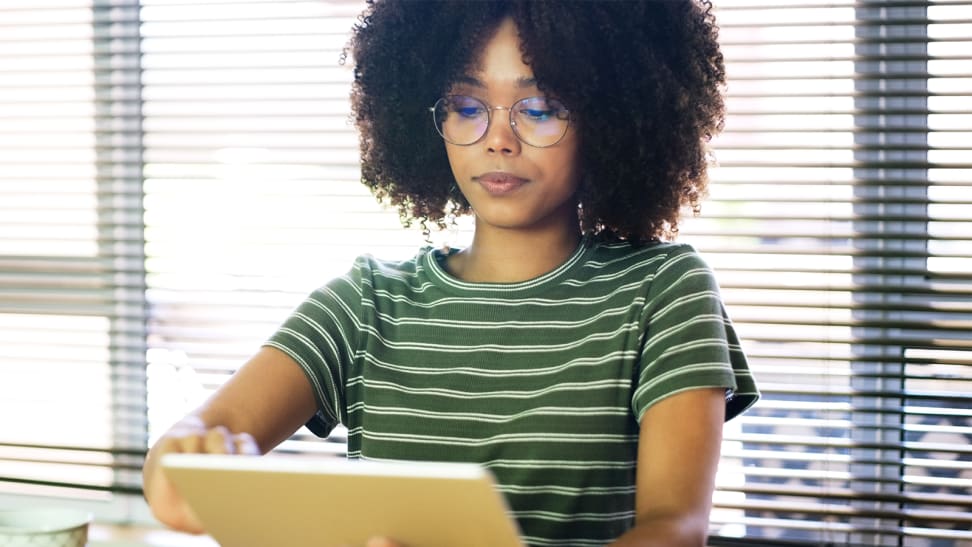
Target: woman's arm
{"x": 678, "y": 453}
{"x": 260, "y": 406}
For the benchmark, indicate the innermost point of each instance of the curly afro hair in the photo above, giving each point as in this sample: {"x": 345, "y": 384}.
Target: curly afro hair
{"x": 644, "y": 82}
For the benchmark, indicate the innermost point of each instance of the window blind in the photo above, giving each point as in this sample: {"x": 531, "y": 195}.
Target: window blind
{"x": 840, "y": 228}
{"x": 72, "y": 284}
{"x": 176, "y": 176}
{"x": 252, "y": 197}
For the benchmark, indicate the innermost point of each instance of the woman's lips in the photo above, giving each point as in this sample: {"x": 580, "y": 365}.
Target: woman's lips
{"x": 499, "y": 183}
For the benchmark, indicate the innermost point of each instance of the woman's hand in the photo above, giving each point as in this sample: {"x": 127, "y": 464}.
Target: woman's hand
{"x": 269, "y": 397}
{"x": 188, "y": 436}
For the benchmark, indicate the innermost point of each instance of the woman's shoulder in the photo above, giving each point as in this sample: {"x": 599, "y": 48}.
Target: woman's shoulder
{"x": 371, "y": 262}
{"x": 653, "y": 252}
{"x": 384, "y": 272}
{"x": 650, "y": 264}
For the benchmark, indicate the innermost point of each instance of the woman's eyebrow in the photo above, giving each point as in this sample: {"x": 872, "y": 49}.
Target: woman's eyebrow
{"x": 522, "y": 82}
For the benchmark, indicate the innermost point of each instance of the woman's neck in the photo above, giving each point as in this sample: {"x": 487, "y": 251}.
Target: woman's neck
{"x": 498, "y": 255}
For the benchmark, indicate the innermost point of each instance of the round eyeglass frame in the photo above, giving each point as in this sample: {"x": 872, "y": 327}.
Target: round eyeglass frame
{"x": 489, "y": 119}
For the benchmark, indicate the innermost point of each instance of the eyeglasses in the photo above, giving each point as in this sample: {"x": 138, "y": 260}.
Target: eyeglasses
{"x": 464, "y": 120}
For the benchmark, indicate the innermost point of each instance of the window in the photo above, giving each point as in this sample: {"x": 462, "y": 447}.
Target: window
{"x": 846, "y": 270}
{"x": 72, "y": 293}
{"x": 176, "y": 176}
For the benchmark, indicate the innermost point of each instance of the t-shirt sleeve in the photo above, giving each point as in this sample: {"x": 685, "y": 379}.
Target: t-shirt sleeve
{"x": 321, "y": 336}
{"x": 689, "y": 341}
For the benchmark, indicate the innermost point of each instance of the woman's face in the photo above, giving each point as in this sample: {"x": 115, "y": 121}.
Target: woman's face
{"x": 510, "y": 184}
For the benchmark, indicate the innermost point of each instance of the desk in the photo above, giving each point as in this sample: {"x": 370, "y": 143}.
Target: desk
{"x": 113, "y": 535}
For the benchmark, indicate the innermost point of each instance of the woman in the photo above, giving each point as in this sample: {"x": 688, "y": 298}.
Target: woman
{"x": 571, "y": 348}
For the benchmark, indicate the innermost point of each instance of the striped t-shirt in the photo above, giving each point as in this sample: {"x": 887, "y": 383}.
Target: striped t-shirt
{"x": 541, "y": 381}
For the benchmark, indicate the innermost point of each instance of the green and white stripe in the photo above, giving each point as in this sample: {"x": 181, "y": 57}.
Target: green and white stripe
{"x": 543, "y": 382}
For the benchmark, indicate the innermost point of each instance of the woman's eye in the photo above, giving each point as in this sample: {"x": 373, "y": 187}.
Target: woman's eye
{"x": 537, "y": 114}
{"x": 469, "y": 111}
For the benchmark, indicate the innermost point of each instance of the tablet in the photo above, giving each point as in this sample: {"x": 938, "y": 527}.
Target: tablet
{"x": 297, "y": 501}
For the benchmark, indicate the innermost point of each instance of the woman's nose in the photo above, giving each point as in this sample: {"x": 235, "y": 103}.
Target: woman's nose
{"x": 500, "y": 138}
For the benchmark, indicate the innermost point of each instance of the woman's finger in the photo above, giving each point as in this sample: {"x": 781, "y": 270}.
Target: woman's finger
{"x": 189, "y": 444}
{"x": 245, "y": 444}
{"x": 219, "y": 441}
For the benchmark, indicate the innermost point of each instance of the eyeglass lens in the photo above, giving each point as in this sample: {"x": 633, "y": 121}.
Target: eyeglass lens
{"x": 537, "y": 121}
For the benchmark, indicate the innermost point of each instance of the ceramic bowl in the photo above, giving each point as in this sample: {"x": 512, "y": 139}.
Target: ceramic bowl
{"x": 44, "y": 528}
